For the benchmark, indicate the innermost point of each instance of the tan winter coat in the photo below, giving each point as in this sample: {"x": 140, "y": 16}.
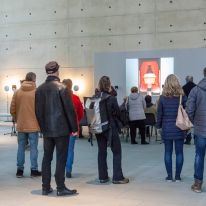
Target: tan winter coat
{"x": 22, "y": 108}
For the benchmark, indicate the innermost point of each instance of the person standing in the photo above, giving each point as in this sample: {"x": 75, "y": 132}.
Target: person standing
{"x": 22, "y": 110}
{"x": 110, "y": 137}
{"x": 80, "y": 113}
{"x": 189, "y": 85}
{"x": 197, "y": 114}
{"x": 187, "y": 88}
{"x": 166, "y": 120}
{"x": 137, "y": 105}
{"x": 57, "y": 118}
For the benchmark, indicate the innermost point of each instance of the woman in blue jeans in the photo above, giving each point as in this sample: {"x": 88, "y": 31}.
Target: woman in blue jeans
{"x": 166, "y": 120}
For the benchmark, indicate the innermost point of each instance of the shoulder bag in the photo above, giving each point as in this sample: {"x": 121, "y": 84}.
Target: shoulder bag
{"x": 182, "y": 120}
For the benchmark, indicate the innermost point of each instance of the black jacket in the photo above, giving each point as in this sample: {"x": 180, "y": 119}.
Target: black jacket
{"x": 54, "y": 109}
{"x": 112, "y": 111}
{"x": 188, "y": 87}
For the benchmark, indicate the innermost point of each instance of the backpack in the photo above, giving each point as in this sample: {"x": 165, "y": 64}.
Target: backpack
{"x": 124, "y": 113}
{"x": 97, "y": 113}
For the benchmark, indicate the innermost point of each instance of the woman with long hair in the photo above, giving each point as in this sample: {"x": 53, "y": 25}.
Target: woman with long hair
{"x": 110, "y": 136}
{"x": 166, "y": 120}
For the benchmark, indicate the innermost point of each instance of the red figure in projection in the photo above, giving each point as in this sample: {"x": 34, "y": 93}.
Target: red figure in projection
{"x": 149, "y": 78}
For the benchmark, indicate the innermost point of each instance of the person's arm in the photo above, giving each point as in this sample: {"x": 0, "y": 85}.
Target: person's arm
{"x": 159, "y": 113}
{"x": 38, "y": 109}
{"x": 191, "y": 104}
{"x": 13, "y": 107}
{"x": 69, "y": 109}
{"x": 80, "y": 112}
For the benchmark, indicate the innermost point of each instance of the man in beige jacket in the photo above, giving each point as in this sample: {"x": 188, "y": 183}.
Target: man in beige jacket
{"x": 23, "y": 112}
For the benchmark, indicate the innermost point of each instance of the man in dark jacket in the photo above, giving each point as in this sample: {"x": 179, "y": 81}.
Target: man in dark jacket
{"x": 187, "y": 88}
{"x": 57, "y": 118}
{"x": 197, "y": 113}
{"x": 189, "y": 85}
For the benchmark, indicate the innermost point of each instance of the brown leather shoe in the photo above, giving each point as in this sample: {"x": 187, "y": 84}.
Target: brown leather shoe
{"x": 123, "y": 181}
{"x": 197, "y": 186}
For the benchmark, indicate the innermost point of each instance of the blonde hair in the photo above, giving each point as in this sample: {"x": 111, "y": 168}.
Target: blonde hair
{"x": 172, "y": 86}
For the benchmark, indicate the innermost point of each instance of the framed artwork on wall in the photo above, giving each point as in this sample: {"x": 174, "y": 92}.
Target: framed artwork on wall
{"x": 149, "y": 76}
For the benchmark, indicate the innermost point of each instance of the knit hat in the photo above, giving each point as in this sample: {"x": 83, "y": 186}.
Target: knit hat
{"x": 52, "y": 67}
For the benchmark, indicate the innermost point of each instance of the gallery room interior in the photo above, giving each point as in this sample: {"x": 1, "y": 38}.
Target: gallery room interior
{"x": 136, "y": 43}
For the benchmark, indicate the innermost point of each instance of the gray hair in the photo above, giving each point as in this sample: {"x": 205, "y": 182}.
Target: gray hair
{"x": 189, "y": 78}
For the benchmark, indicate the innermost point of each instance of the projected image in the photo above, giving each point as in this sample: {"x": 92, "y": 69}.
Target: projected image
{"x": 149, "y": 76}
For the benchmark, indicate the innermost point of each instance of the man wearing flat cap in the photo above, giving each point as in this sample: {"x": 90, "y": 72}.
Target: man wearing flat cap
{"x": 57, "y": 118}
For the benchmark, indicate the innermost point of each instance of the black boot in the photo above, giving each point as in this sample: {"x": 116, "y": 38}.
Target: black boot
{"x": 65, "y": 192}
{"x": 47, "y": 191}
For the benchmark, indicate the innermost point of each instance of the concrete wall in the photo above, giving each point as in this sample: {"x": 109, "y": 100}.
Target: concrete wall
{"x": 71, "y": 31}
{"x": 186, "y": 62}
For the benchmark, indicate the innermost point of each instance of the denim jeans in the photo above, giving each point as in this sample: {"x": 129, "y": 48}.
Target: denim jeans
{"x": 70, "y": 154}
{"x": 200, "y": 146}
{"x": 179, "y": 156}
{"x": 33, "y": 140}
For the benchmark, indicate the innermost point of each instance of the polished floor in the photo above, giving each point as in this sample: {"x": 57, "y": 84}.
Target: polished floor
{"x": 143, "y": 164}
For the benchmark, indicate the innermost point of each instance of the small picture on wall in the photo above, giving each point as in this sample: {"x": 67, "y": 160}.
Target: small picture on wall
{"x": 149, "y": 76}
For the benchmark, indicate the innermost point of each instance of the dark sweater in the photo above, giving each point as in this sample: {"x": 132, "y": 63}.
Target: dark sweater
{"x": 188, "y": 87}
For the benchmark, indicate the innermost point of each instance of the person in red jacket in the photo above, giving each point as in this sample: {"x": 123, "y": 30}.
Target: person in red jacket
{"x": 80, "y": 113}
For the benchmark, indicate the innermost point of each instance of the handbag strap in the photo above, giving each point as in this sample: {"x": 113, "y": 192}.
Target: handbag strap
{"x": 180, "y": 100}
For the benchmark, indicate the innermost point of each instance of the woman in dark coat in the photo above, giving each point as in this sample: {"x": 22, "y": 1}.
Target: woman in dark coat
{"x": 110, "y": 136}
{"x": 166, "y": 119}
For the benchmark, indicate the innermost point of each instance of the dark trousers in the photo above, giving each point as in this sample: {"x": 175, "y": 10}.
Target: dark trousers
{"x": 133, "y": 125}
{"x": 102, "y": 156}
{"x": 61, "y": 144}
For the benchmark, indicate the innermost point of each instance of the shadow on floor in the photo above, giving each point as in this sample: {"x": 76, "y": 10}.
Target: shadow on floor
{"x": 53, "y": 194}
